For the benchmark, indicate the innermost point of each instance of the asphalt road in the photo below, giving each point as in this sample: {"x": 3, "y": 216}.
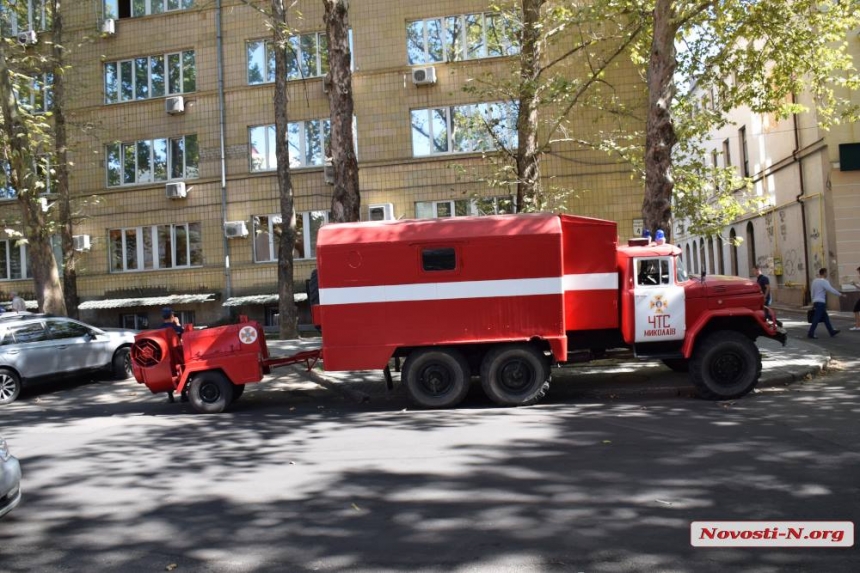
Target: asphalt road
{"x": 298, "y": 478}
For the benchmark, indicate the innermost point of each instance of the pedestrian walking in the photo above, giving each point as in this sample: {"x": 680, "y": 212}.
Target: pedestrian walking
{"x": 856, "y": 304}
{"x": 17, "y": 304}
{"x": 820, "y": 287}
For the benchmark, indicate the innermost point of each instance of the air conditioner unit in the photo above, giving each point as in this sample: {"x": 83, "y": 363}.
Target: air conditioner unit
{"x": 27, "y": 38}
{"x": 174, "y": 105}
{"x": 235, "y": 229}
{"x": 175, "y": 190}
{"x": 326, "y": 83}
{"x": 109, "y": 27}
{"x": 382, "y": 212}
{"x": 328, "y": 173}
{"x": 81, "y": 242}
{"x": 424, "y": 76}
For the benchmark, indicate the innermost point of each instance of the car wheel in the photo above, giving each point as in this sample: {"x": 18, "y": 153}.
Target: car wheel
{"x": 515, "y": 375}
{"x": 436, "y": 378}
{"x": 10, "y": 386}
{"x": 121, "y": 364}
{"x": 725, "y": 365}
{"x": 210, "y": 392}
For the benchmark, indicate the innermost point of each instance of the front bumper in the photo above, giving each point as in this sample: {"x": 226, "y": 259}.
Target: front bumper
{"x": 10, "y": 485}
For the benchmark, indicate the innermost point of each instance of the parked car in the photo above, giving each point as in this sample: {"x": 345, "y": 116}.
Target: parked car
{"x": 10, "y": 480}
{"x": 37, "y": 347}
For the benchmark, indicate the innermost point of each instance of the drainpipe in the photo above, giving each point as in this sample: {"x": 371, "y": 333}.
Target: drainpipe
{"x": 800, "y": 199}
{"x": 228, "y": 286}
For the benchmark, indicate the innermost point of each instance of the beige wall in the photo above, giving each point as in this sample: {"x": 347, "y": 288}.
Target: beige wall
{"x": 384, "y": 96}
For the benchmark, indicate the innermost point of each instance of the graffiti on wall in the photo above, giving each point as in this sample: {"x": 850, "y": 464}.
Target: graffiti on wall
{"x": 783, "y": 226}
{"x": 792, "y": 264}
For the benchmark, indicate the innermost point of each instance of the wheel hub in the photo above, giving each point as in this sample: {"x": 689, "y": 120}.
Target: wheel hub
{"x": 728, "y": 368}
{"x": 210, "y": 393}
{"x": 436, "y": 379}
{"x": 516, "y": 375}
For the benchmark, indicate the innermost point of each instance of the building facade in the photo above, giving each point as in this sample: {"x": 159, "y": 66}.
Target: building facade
{"x": 171, "y": 103}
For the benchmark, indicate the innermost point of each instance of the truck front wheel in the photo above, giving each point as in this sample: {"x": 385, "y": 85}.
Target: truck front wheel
{"x": 436, "y": 378}
{"x": 725, "y": 365}
{"x": 515, "y": 375}
{"x": 210, "y": 392}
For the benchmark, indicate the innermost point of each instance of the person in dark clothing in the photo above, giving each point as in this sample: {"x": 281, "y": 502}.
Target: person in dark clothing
{"x": 170, "y": 320}
{"x": 764, "y": 285}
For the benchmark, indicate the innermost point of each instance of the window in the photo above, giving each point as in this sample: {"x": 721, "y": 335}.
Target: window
{"x": 134, "y": 321}
{"x": 307, "y": 57}
{"x": 745, "y": 158}
{"x": 464, "y": 207}
{"x": 150, "y": 77}
{"x": 152, "y": 160}
{"x": 439, "y": 259}
{"x": 727, "y": 154}
{"x": 14, "y": 263}
{"x": 652, "y": 272}
{"x": 308, "y": 141}
{"x": 66, "y": 329}
{"x": 134, "y": 8}
{"x": 21, "y": 15}
{"x": 155, "y": 247}
{"x": 6, "y": 189}
{"x": 33, "y": 332}
{"x": 267, "y": 230}
{"x": 45, "y": 177}
{"x": 464, "y": 129}
{"x": 36, "y": 95}
{"x": 184, "y": 316}
{"x": 462, "y": 37}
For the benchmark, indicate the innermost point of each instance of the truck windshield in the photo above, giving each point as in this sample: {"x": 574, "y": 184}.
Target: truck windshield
{"x": 680, "y": 270}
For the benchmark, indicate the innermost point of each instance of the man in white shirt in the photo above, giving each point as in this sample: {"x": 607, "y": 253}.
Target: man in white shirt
{"x": 820, "y": 288}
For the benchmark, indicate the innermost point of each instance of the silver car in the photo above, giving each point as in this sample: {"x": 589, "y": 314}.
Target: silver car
{"x": 10, "y": 480}
{"x": 37, "y": 347}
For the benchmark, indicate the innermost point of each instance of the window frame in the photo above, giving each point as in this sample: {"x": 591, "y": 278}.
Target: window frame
{"x": 166, "y": 80}
{"x": 269, "y": 157}
{"x": 156, "y": 247}
{"x": 38, "y": 18}
{"x": 7, "y": 260}
{"x": 503, "y": 114}
{"x": 189, "y": 170}
{"x": 458, "y": 50}
{"x": 111, "y": 8}
{"x": 303, "y": 234}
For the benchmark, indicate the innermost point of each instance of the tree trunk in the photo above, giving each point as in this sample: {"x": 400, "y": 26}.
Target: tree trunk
{"x": 528, "y": 156}
{"x": 70, "y": 275}
{"x": 346, "y": 200}
{"x": 660, "y": 135}
{"x": 287, "y": 239}
{"x": 46, "y": 279}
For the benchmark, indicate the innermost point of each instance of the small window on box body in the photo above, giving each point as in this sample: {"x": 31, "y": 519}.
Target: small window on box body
{"x": 439, "y": 259}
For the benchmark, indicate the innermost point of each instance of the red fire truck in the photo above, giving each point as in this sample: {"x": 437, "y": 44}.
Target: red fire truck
{"x": 504, "y": 298}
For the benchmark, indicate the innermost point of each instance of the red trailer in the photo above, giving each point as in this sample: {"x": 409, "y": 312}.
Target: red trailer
{"x": 505, "y": 298}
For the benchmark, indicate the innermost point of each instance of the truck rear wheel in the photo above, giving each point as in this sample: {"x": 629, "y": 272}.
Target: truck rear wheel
{"x": 725, "y": 365}
{"x": 515, "y": 375}
{"x": 436, "y": 378}
{"x": 210, "y": 392}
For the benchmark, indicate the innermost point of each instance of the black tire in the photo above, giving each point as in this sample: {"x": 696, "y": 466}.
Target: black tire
{"x": 515, "y": 375}
{"x": 436, "y": 378}
{"x": 121, "y": 364}
{"x": 210, "y": 392}
{"x": 238, "y": 390}
{"x": 10, "y": 386}
{"x": 313, "y": 289}
{"x": 677, "y": 364}
{"x": 725, "y": 365}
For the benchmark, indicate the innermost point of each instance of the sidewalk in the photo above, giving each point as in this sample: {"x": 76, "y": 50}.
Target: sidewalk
{"x": 780, "y": 366}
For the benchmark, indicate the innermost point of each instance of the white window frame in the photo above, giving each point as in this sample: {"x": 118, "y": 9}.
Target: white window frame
{"x": 463, "y": 52}
{"x": 111, "y": 7}
{"x": 508, "y": 120}
{"x": 38, "y": 18}
{"x": 303, "y": 228}
{"x": 8, "y": 245}
{"x": 472, "y": 206}
{"x": 168, "y": 92}
{"x": 42, "y": 86}
{"x": 188, "y": 171}
{"x": 140, "y": 253}
{"x": 9, "y": 193}
{"x": 295, "y": 49}
{"x": 269, "y": 160}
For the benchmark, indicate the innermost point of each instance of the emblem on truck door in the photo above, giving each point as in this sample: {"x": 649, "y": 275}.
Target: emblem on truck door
{"x": 248, "y": 335}
{"x": 659, "y": 303}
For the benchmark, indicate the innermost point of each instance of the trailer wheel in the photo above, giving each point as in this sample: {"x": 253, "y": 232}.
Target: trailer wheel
{"x": 436, "y": 378}
{"x": 515, "y": 375}
{"x": 238, "y": 390}
{"x": 210, "y": 392}
{"x": 725, "y": 365}
{"x": 677, "y": 364}
{"x": 10, "y": 386}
